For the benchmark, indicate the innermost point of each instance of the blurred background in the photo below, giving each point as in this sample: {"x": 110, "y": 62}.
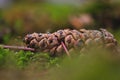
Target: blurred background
{"x": 20, "y": 17}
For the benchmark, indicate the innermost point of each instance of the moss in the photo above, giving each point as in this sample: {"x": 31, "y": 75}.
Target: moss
{"x": 23, "y": 59}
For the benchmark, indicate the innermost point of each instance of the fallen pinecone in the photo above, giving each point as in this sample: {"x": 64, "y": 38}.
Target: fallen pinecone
{"x": 52, "y": 42}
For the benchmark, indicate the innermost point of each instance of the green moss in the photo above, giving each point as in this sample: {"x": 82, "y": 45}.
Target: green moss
{"x": 23, "y": 59}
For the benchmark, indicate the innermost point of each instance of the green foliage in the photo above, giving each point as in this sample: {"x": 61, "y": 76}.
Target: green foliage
{"x": 58, "y": 12}
{"x": 91, "y": 65}
{"x": 95, "y": 65}
{"x": 6, "y": 58}
{"x": 24, "y": 59}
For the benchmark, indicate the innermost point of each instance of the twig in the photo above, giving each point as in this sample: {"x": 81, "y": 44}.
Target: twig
{"x": 17, "y": 48}
{"x": 66, "y": 50}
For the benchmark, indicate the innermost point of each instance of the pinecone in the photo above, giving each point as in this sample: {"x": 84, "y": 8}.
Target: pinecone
{"x": 82, "y": 39}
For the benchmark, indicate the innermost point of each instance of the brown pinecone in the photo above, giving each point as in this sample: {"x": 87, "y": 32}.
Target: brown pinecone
{"x": 51, "y": 42}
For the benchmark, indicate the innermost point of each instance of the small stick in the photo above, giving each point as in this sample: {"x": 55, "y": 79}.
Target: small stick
{"x": 66, "y": 50}
{"x": 17, "y": 48}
